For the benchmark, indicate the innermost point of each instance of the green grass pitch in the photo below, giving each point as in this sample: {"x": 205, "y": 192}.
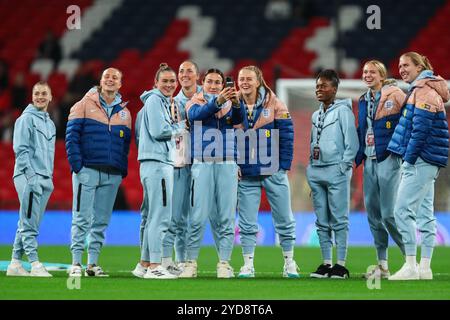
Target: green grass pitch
{"x": 268, "y": 284}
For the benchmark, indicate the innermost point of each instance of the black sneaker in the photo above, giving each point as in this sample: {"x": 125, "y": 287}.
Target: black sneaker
{"x": 323, "y": 271}
{"x": 339, "y": 272}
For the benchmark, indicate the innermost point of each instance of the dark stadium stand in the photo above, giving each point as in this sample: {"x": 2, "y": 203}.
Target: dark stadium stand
{"x": 138, "y": 35}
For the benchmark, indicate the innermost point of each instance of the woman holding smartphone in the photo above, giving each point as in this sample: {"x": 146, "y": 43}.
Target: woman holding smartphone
{"x": 212, "y": 114}
{"x": 264, "y": 164}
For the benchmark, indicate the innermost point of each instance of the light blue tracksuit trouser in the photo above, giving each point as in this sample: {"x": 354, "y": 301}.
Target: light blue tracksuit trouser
{"x": 279, "y": 196}
{"x": 157, "y": 181}
{"x": 381, "y": 181}
{"x": 330, "y": 189}
{"x": 94, "y": 194}
{"x": 33, "y": 201}
{"x": 414, "y": 208}
{"x": 144, "y": 215}
{"x": 213, "y": 195}
{"x": 176, "y": 235}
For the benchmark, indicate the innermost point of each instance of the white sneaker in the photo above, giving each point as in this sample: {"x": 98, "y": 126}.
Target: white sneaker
{"x": 40, "y": 271}
{"x": 159, "y": 273}
{"x": 290, "y": 270}
{"x": 139, "y": 271}
{"x": 17, "y": 270}
{"x": 406, "y": 273}
{"x": 181, "y": 265}
{"x": 95, "y": 271}
{"x": 75, "y": 271}
{"x": 378, "y": 273}
{"x": 174, "y": 269}
{"x": 190, "y": 269}
{"x": 224, "y": 270}
{"x": 425, "y": 274}
{"x": 246, "y": 272}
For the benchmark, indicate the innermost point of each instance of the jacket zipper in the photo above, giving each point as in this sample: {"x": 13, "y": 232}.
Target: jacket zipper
{"x": 109, "y": 128}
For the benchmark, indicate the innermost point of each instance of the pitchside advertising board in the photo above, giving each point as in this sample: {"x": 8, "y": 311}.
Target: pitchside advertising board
{"x": 124, "y": 229}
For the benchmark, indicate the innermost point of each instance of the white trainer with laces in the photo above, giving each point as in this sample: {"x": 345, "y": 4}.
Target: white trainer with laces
{"x": 75, "y": 271}
{"x": 425, "y": 274}
{"x": 16, "y": 270}
{"x": 190, "y": 269}
{"x": 246, "y": 272}
{"x": 39, "y": 271}
{"x": 174, "y": 269}
{"x": 224, "y": 270}
{"x": 290, "y": 270}
{"x": 406, "y": 272}
{"x": 139, "y": 271}
{"x": 159, "y": 273}
{"x": 181, "y": 265}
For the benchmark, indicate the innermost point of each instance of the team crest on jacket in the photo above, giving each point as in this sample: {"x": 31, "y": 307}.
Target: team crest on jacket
{"x": 266, "y": 113}
{"x": 389, "y": 104}
{"x": 123, "y": 115}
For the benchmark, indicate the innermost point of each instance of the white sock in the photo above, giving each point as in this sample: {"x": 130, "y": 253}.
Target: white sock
{"x": 341, "y": 262}
{"x": 327, "y": 262}
{"x": 383, "y": 264}
{"x": 248, "y": 259}
{"x": 35, "y": 264}
{"x": 288, "y": 256}
{"x": 166, "y": 261}
{"x": 411, "y": 261}
{"x": 425, "y": 263}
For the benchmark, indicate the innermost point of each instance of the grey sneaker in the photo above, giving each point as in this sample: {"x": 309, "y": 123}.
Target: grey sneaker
{"x": 75, "y": 271}
{"x": 95, "y": 271}
{"x": 174, "y": 269}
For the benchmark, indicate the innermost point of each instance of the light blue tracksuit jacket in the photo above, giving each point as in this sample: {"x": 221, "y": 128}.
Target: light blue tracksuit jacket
{"x": 34, "y": 149}
{"x": 329, "y": 176}
{"x": 214, "y": 180}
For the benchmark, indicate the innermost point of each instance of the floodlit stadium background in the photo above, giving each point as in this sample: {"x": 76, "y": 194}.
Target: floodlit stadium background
{"x": 135, "y": 36}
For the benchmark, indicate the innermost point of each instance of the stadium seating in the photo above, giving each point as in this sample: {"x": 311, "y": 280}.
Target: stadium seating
{"x": 432, "y": 42}
{"x": 135, "y": 36}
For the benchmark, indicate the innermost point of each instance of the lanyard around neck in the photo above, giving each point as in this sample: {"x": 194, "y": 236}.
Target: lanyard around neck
{"x": 320, "y": 123}
{"x": 250, "y": 115}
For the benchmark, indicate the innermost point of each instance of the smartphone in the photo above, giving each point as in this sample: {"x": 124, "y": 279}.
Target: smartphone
{"x": 229, "y": 82}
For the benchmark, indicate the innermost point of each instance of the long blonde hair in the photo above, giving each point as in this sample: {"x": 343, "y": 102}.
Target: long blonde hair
{"x": 260, "y": 78}
{"x": 418, "y": 60}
